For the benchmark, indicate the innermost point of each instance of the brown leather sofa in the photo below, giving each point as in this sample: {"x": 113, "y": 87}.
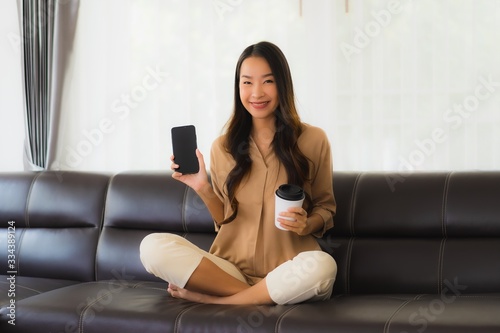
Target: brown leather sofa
{"x": 416, "y": 252}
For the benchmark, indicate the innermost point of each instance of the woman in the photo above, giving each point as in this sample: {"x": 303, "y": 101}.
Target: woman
{"x": 265, "y": 145}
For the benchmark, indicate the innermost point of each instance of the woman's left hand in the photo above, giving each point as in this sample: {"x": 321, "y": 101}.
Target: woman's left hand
{"x": 298, "y": 224}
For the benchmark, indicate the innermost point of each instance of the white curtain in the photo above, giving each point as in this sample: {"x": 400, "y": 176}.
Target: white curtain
{"x": 396, "y": 84}
{"x": 11, "y": 97}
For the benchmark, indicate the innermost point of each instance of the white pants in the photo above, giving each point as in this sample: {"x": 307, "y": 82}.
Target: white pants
{"x": 307, "y": 277}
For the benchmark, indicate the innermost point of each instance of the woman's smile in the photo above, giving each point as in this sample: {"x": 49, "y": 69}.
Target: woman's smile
{"x": 259, "y": 105}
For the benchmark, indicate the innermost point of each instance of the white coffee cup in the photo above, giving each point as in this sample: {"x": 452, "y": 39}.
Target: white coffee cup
{"x": 287, "y": 195}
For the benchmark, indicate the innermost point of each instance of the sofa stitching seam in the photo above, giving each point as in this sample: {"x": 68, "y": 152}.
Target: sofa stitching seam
{"x": 23, "y": 287}
{"x": 353, "y": 233}
{"x": 400, "y": 307}
{"x": 445, "y": 204}
{"x": 179, "y": 316}
{"x": 26, "y": 219}
{"x": 478, "y": 296}
{"x": 353, "y": 205}
{"x": 18, "y": 251}
{"x": 443, "y": 231}
{"x": 280, "y": 318}
{"x": 100, "y": 227}
{"x": 28, "y": 199}
{"x": 89, "y": 305}
{"x": 183, "y": 210}
{"x": 350, "y": 245}
{"x": 441, "y": 264}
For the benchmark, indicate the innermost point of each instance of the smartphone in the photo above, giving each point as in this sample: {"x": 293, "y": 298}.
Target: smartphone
{"x": 184, "y": 149}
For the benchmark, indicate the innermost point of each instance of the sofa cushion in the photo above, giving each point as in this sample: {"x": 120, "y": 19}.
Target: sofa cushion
{"x": 142, "y": 203}
{"x": 16, "y": 187}
{"x": 116, "y": 305}
{"x": 411, "y": 208}
{"x": 21, "y": 287}
{"x": 399, "y": 233}
{"x": 473, "y": 205}
{"x": 396, "y": 314}
{"x": 56, "y": 236}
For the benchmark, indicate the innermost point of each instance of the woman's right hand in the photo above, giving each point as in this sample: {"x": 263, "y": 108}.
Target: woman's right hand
{"x": 197, "y": 181}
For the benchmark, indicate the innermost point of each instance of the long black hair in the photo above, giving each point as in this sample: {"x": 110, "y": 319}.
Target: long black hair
{"x": 288, "y": 125}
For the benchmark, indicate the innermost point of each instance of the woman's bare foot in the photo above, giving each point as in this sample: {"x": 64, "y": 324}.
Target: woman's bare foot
{"x": 257, "y": 295}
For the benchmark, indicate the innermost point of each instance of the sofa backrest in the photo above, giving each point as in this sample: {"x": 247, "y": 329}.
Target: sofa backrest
{"x": 138, "y": 204}
{"x": 57, "y": 218}
{"x": 422, "y": 232}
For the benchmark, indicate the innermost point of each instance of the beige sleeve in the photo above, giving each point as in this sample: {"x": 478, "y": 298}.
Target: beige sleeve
{"x": 323, "y": 200}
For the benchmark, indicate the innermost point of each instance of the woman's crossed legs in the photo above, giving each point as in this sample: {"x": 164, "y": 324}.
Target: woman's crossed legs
{"x": 196, "y": 275}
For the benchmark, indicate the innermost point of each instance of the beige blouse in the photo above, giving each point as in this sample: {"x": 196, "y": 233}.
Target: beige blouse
{"x": 251, "y": 241}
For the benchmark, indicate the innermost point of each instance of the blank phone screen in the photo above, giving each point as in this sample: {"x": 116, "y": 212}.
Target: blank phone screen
{"x": 184, "y": 149}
